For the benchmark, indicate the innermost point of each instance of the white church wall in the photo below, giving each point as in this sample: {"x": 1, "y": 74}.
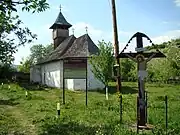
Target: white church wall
{"x": 54, "y": 75}
{"x": 51, "y": 74}
{"x": 69, "y": 84}
{"x": 35, "y": 74}
{"x": 79, "y": 84}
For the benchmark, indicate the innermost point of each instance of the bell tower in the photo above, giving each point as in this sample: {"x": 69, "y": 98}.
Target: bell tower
{"x": 60, "y": 29}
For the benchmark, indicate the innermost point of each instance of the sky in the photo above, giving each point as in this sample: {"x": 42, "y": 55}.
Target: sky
{"x": 159, "y": 19}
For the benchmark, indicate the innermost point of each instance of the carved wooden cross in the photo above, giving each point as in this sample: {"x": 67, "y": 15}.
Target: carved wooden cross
{"x": 141, "y": 58}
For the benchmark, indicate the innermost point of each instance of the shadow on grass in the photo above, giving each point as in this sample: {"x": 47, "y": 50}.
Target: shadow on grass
{"x": 71, "y": 128}
{"x": 8, "y": 102}
{"x": 33, "y": 87}
{"x": 125, "y": 90}
{"x": 74, "y": 128}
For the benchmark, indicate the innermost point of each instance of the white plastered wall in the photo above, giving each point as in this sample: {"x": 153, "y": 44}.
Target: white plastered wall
{"x": 52, "y": 74}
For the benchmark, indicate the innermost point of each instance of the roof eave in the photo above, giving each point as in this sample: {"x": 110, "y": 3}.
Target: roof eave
{"x": 55, "y": 25}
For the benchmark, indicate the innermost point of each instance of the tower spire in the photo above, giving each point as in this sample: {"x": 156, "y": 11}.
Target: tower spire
{"x": 60, "y": 21}
{"x": 60, "y": 29}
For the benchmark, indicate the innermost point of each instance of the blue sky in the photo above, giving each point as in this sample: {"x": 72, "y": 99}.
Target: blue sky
{"x": 159, "y": 19}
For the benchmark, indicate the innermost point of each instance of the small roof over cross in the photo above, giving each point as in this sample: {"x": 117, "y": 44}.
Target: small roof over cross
{"x": 139, "y": 39}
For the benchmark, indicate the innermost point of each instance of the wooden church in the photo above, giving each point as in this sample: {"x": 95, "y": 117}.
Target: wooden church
{"x": 67, "y": 65}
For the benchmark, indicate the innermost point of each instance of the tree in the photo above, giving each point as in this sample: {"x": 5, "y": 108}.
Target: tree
{"x": 127, "y": 69}
{"x": 102, "y": 63}
{"x": 40, "y": 51}
{"x": 25, "y": 65}
{"x": 166, "y": 68}
{"x": 6, "y": 71}
{"x": 10, "y": 24}
{"x": 37, "y": 53}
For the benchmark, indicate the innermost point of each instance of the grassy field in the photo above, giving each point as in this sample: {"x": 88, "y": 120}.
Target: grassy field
{"x": 36, "y": 115}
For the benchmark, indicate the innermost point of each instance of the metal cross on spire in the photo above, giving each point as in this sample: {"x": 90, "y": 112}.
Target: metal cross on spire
{"x": 60, "y": 7}
{"x": 73, "y": 31}
{"x": 86, "y": 29}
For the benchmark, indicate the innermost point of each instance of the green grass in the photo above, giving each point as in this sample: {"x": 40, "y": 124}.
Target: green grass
{"x": 37, "y": 113}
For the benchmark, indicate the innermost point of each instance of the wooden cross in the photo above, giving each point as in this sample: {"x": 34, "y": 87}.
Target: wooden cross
{"x": 141, "y": 58}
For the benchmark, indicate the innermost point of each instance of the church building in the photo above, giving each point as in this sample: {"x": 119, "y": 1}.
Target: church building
{"x": 67, "y": 65}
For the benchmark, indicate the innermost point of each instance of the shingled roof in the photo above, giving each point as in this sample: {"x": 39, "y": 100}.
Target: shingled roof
{"x": 60, "y": 22}
{"x": 72, "y": 47}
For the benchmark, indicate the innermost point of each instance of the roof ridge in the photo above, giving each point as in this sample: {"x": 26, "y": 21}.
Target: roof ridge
{"x": 69, "y": 45}
{"x": 82, "y": 46}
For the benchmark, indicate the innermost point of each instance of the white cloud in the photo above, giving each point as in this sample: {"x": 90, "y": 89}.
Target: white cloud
{"x": 171, "y": 23}
{"x": 161, "y": 39}
{"x": 166, "y": 37}
{"x": 80, "y": 29}
{"x": 177, "y": 2}
{"x": 95, "y": 33}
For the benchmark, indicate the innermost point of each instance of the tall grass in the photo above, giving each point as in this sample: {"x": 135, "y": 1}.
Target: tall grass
{"x": 36, "y": 114}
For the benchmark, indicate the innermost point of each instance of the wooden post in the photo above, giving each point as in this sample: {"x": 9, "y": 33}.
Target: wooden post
{"x": 116, "y": 47}
{"x": 137, "y": 114}
{"x": 121, "y": 109}
{"x": 58, "y": 110}
{"x": 107, "y": 93}
{"x": 146, "y": 106}
{"x": 26, "y": 93}
{"x": 63, "y": 85}
{"x": 2, "y": 85}
{"x": 166, "y": 107}
{"x": 86, "y": 83}
{"x": 44, "y": 77}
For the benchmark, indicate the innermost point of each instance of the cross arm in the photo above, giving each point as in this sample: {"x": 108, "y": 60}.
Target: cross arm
{"x": 146, "y": 55}
{"x": 148, "y": 59}
{"x": 132, "y": 58}
{"x": 127, "y": 55}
